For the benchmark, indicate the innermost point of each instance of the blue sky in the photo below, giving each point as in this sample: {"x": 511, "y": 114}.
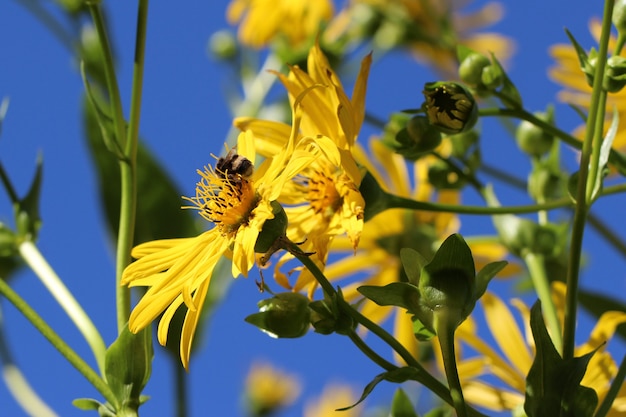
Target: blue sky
{"x": 184, "y": 119}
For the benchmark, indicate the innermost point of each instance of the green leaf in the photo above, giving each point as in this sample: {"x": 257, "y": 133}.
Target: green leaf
{"x": 453, "y": 254}
{"x": 413, "y": 263}
{"x": 553, "y": 384}
{"x": 128, "y": 365}
{"x": 509, "y": 94}
{"x": 401, "y": 405}
{"x": 485, "y": 275}
{"x": 397, "y": 375}
{"x": 580, "y": 51}
{"x": 400, "y": 294}
{"x": 605, "y": 151}
{"x": 28, "y": 220}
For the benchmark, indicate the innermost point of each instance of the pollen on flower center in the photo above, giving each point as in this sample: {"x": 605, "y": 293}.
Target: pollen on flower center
{"x": 323, "y": 194}
{"x": 226, "y": 200}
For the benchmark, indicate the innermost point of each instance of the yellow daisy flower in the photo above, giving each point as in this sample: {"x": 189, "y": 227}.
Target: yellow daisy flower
{"x": 511, "y": 363}
{"x": 323, "y": 200}
{"x": 261, "y": 21}
{"x": 238, "y": 203}
{"x": 433, "y": 29}
{"x": 576, "y": 91}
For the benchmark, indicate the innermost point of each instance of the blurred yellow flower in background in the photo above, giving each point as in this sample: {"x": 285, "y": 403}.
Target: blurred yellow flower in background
{"x": 261, "y": 21}
{"x": 431, "y": 29}
{"x": 268, "y": 389}
{"x": 567, "y": 73}
{"x": 333, "y": 397}
{"x": 511, "y": 363}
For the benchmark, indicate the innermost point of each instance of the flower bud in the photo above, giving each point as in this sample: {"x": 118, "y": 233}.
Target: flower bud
{"x": 443, "y": 177}
{"x": 272, "y": 230}
{"x": 450, "y": 107}
{"x": 619, "y": 16}
{"x": 532, "y": 139}
{"x": 544, "y": 184}
{"x": 418, "y": 138}
{"x": 286, "y": 315}
{"x": 471, "y": 68}
{"x": 223, "y": 45}
{"x": 327, "y": 318}
{"x": 615, "y": 74}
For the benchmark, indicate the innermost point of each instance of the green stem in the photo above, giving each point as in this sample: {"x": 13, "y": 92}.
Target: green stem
{"x": 582, "y": 208}
{"x": 370, "y": 353}
{"x": 58, "y": 343}
{"x": 614, "y": 157}
{"x": 127, "y": 171}
{"x": 31, "y": 255}
{"x": 18, "y": 385}
{"x": 446, "y": 341}
{"x": 537, "y": 270}
{"x": 180, "y": 383}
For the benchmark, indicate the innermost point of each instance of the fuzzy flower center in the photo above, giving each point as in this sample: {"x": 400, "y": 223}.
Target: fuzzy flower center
{"x": 323, "y": 195}
{"x": 226, "y": 200}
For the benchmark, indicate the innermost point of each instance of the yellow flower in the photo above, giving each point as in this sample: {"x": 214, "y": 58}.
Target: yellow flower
{"x": 567, "y": 73}
{"x": 324, "y": 200}
{"x": 433, "y": 29}
{"x": 511, "y": 365}
{"x": 269, "y": 389}
{"x": 334, "y": 396}
{"x": 179, "y": 271}
{"x": 263, "y": 20}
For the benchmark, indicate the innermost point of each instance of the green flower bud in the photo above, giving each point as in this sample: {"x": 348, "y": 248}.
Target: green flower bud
{"x": 443, "y": 177}
{"x": 273, "y": 229}
{"x": 327, "y": 318}
{"x": 491, "y": 78}
{"x": 450, "y": 107}
{"x": 471, "y": 68}
{"x": 286, "y": 315}
{"x": 223, "y": 45}
{"x": 544, "y": 184}
{"x": 615, "y": 74}
{"x": 619, "y": 16}
{"x": 532, "y": 139}
{"x": 418, "y": 138}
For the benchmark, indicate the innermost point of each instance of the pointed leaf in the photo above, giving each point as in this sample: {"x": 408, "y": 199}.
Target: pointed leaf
{"x": 28, "y": 219}
{"x": 453, "y": 254}
{"x": 605, "y": 151}
{"x": 413, "y": 263}
{"x": 401, "y": 405}
{"x": 553, "y": 384}
{"x": 485, "y": 275}
{"x": 509, "y": 94}
{"x": 397, "y": 375}
{"x": 580, "y": 51}
{"x": 399, "y": 294}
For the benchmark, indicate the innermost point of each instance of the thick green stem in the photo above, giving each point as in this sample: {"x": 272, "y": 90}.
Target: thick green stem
{"x": 58, "y": 343}
{"x": 31, "y": 255}
{"x": 582, "y": 203}
{"x": 537, "y": 270}
{"x": 445, "y": 332}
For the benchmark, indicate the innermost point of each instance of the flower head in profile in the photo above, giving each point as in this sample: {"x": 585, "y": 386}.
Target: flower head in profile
{"x": 236, "y": 200}
{"x": 576, "y": 90}
{"x": 510, "y": 360}
{"x": 323, "y": 200}
{"x": 261, "y": 21}
{"x": 431, "y": 29}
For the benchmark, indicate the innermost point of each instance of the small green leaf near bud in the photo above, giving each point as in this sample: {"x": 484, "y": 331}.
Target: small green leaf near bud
{"x": 615, "y": 74}
{"x": 286, "y": 315}
{"x": 450, "y": 107}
